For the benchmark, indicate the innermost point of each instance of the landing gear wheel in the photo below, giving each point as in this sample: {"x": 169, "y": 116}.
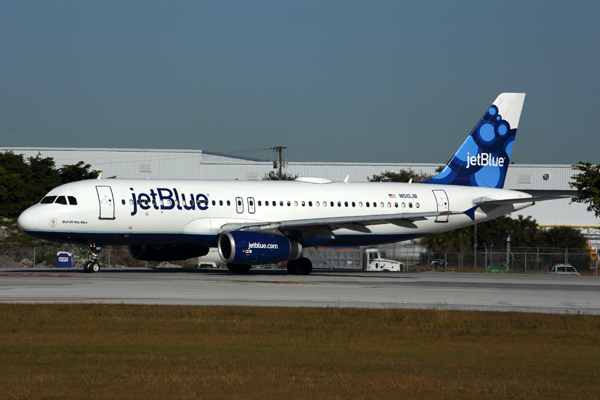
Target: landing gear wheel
{"x": 301, "y": 266}
{"x": 291, "y": 267}
{"x": 87, "y": 267}
{"x": 95, "y": 266}
{"x": 304, "y": 266}
{"x": 238, "y": 268}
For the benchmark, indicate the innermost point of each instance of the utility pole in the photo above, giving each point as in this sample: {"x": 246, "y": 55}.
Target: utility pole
{"x": 280, "y": 150}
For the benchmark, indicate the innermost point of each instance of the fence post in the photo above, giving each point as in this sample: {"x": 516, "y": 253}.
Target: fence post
{"x": 445, "y": 260}
{"x": 34, "y": 256}
{"x": 475, "y": 248}
{"x": 567, "y": 255}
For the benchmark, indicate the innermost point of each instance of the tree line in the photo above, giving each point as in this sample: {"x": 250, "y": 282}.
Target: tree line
{"x": 23, "y": 182}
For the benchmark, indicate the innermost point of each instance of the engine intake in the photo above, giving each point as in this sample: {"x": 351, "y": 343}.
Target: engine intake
{"x": 241, "y": 247}
{"x": 166, "y": 252}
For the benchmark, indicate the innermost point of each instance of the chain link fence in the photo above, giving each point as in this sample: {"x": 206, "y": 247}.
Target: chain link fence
{"x": 517, "y": 259}
{"x": 415, "y": 258}
{"x": 46, "y": 257}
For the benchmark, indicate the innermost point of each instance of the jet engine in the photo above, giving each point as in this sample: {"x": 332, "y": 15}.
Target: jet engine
{"x": 166, "y": 252}
{"x": 242, "y": 247}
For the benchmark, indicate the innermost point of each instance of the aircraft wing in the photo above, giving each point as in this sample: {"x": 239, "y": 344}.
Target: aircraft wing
{"x": 324, "y": 227}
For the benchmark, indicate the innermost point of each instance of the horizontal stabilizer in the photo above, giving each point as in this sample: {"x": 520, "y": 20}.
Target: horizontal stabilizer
{"x": 491, "y": 202}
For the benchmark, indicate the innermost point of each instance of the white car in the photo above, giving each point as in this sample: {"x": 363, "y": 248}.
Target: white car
{"x": 564, "y": 269}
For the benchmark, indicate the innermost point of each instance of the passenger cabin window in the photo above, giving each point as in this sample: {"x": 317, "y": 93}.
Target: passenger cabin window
{"x": 48, "y": 200}
{"x": 73, "y": 200}
{"x": 61, "y": 200}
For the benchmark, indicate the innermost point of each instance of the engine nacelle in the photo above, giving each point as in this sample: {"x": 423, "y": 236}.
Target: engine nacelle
{"x": 166, "y": 252}
{"x": 241, "y": 247}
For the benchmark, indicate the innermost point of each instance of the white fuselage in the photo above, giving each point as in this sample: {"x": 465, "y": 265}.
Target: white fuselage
{"x": 115, "y": 211}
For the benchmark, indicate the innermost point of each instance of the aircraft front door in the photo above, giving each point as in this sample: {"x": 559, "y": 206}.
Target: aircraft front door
{"x": 442, "y": 205}
{"x": 106, "y": 201}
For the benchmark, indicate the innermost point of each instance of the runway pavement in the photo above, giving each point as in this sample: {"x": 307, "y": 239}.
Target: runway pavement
{"x": 501, "y": 292}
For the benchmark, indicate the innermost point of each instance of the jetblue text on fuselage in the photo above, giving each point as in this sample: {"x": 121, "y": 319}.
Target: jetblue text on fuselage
{"x": 168, "y": 199}
{"x": 484, "y": 159}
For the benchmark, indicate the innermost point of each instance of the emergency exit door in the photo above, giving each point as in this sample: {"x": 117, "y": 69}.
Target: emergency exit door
{"x": 106, "y": 201}
{"x": 442, "y": 205}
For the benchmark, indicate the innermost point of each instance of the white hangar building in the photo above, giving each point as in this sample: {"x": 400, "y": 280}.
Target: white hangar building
{"x": 198, "y": 164}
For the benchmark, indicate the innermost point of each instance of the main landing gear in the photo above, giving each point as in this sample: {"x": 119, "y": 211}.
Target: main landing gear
{"x": 93, "y": 265}
{"x": 301, "y": 266}
{"x": 238, "y": 268}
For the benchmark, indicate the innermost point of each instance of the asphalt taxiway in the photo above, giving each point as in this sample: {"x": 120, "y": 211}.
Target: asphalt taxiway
{"x": 171, "y": 286}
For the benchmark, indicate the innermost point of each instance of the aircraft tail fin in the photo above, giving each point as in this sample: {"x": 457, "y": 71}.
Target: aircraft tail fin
{"x": 483, "y": 158}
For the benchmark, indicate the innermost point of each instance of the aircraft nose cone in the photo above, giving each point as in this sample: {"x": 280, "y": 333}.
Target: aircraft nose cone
{"x": 29, "y": 220}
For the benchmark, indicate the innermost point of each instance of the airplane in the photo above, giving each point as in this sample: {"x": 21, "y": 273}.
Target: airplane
{"x": 265, "y": 222}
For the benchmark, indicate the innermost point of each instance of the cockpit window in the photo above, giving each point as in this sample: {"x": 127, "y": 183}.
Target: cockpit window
{"x": 48, "y": 200}
{"x": 61, "y": 200}
{"x": 72, "y": 200}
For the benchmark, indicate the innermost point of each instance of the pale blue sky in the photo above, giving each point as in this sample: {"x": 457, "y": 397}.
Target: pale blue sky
{"x": 362, "y": 81}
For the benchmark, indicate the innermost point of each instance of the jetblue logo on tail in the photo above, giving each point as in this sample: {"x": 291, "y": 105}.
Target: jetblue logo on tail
{"x": 483, "y": 158}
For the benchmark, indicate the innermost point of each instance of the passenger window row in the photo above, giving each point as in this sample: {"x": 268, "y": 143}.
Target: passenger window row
{"x": 71, "y": 200}
{"x": 339, "y": 204}
{"x": 288, "y": 203}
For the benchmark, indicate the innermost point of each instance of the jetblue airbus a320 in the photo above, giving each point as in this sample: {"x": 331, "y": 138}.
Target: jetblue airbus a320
{"x": 261, "y": 222}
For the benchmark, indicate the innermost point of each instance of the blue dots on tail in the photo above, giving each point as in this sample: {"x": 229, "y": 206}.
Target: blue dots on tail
{"x": 483, "y": 158}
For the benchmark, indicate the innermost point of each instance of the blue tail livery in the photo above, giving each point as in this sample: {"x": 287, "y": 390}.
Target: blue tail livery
{"x": 483, "y": 158}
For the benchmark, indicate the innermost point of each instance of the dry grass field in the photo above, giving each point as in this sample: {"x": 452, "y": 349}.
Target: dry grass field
{"x": 189, "y": 352}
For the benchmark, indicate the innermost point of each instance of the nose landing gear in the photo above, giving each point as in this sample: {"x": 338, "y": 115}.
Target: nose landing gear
{"x": 93, "y": 265}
